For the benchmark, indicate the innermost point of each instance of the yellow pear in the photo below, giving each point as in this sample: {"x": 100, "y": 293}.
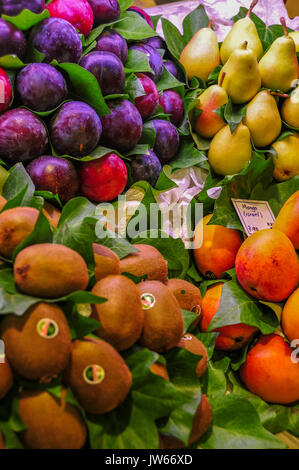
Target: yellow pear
{"x": 243, "y": 30}
{"x": 287, "y": 160}
{"x": 229, "y": 152}
{"x": 290, "y": 109}
{"x": 201, "y": 54}
{"x": 295, "y": 36}
{"x": 209, "y": 123}
{"x": 279, "y": 66}
{"x": 242, "y": 79}
{"x": 263, "y": 119}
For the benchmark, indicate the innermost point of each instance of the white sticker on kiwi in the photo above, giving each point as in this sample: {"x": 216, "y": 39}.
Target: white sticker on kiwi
{"x": 47, "y": 328}
{"x": 187, "y": 337}
{"x": 93, "y": 374}
{"x": 148, "y": 301}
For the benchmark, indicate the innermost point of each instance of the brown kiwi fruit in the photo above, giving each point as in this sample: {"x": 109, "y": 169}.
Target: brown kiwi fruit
{"x": 163, "y": 319}
{"x": 121, "y": 316}
{"x": 2, "y": 444}
{"x": 15, "y": 225}
{"x": 52, "y": 423}
{"x": 106, "y": 261}
{"x": 195, "y": 346}
{"x": 6, "y": 378}
{"x": 52, "y": 214}
{"x": 97, "y": 375}
{"x": 159, "y": 369}
{"x": 38, "y": 343}
{"x": 3, "y": 201}
{"x": 50, "y": 271}
{"x": 187, "y": 295}
{"x": 202, "y": 421}
{"x": 147, "y": 262}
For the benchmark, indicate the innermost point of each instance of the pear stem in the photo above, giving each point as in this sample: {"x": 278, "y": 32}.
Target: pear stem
{"x": 222, "y": 78}
{"x": 253, "y": 4}
{"x": 281, "y": 95}
{"x": 244, "y": 45}
{"x": 283, "y": 23}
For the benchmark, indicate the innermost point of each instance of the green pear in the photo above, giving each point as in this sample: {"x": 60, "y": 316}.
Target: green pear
{"x": 243, "y": 30}
{"x": 242, "y": 78}
{"x": 279, "y": 66}
{"x": 290, "y": 109}
{"x": 295, "y": 36}
{"x": 286, "y": 161}
{"x": 230, "y": 152}
{"x": 201, "y": 54}
{"x": 263, "y": 119}
{"x": 209, "y": 123}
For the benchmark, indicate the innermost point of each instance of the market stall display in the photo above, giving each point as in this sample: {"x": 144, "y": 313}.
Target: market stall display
{"x": 125, "y": 335}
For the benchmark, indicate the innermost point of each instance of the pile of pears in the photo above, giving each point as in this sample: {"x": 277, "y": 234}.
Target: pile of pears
{"x": 253, "y": 79}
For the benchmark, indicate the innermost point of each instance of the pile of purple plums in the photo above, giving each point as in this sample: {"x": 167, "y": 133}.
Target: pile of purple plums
{"x": 45, "y": 116}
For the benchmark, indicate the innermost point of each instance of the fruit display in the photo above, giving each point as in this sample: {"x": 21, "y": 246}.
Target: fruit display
{"x": 116, "y": 332}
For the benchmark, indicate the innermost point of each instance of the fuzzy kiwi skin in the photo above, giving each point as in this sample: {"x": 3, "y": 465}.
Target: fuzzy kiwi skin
{"x": 106, "y": 262}
{"x": 2, "y": 444}
{"x": 50, "y": 271}
{"x": 163, "y": 322}
{"x": 52, "y": 423}
{"x": 6, "y": 378}
{"x": 121, "y": 316}
{"x": 15, "y": 225}
{"x": 187, "y": 295}
{"x": 195, "y": 346}
{"x": 159, "y": 369}
{"x": 147, "y": 262}
{"x": 202, "y": 421}
{"x": 107, "y": 395}
{"x": 31, "y": 355}
{"x": 52, "y": 214}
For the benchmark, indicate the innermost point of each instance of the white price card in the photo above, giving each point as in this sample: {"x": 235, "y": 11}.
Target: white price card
{"x": 254, "y": 215}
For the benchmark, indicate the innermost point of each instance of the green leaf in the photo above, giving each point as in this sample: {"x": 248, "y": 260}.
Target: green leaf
{"x": 236, "y": 425}
{"x": 174, "y": 40}
{"x": 11, "y": 61}
{"x": 96, "y": 32}
{"x": 168, "y": 81}
{"x": 18, "y": 188}
{"x": 276, "y": 194}
{"x": 181, "y": 365}
{"x": 196, "y": 20}
{"x": 81, "y": 326}
{"x": 236, "y": 306}
{"x": 189, "y": 318}
{"x": 137, "y": 61}
{"x": 172, "y": 249}
{"x": 134, "y": 87}
{"x": 233, "y": 114}
{"x": 86, "y": 87}
{"x": 240, "y": 186}
{"x": 133, "y": 27}
{"x": 188, "y": 156}
{"x": 27, "y": 19}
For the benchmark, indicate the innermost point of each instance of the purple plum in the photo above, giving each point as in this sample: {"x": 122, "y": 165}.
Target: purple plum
{"x": 172, "y": 104}
{"x": 14, "y": 7}
{"x": 146, "y": 167}
{"x": 155, "y": 60}
{"x": 57, "y": 39}
{"x": 105, "y": 11}
{"x": 75, "y": 129}
{"x": 156, "y": 42}
{"x": 167, "y": 140}
{"x": 41, "y": 87}
{"x": 22, "y": 136}
{"x": 112, "y": 41}
{"x": 174, "y": 70}
{"x": 122, "y": 128}
{"x": 148, "y": 103}
{"x": 54, "y": 174}
{"x": 12, "y": 40}
{"x": 108, "y": 70}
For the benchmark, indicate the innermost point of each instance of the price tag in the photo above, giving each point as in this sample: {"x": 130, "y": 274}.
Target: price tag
{"x": 254, "y": 215}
